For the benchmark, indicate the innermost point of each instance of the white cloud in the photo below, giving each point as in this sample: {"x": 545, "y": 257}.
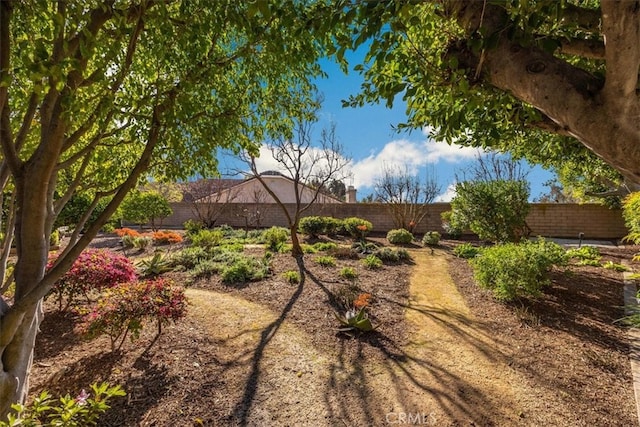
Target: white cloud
{"x": 412, "y": 155}
{"x": 265, "y": 161}
{"x": 448, "y": 194}
{"x": 314, "y": 156}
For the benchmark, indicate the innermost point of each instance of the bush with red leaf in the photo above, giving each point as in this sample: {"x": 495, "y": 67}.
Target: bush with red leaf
{"x": 124, "y": 309}
{"x": 94, "y": 270}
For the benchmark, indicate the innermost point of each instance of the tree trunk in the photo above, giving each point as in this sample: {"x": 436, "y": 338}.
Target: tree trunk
{"x": 17, "y": 358}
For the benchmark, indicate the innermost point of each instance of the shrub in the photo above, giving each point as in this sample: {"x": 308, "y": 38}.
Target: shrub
{"x": 514, "y": 270}
{"x": 344, "y": 253}
{"x": 243, "y": 270}
{"x": 82, "y": 410}
{"x": 275, "y": 237}
{"x": 191, "y": 226}
{"x": 349, "y": 273}
{"x": 128, "y": 241}
{"x": 584, "y": 253}
{"x": 399, "y": 236}
{"x": 403, "y": 255}
{"x": 166, "y": 237}
{"x": 255, "y": 236}
{"x": 451, "y": 225}
{"x": 189, "y": 257}
{"x": 325, "y": 246}
{"x": 610, "y": 265}
{"x": 228, "y": 231}
{"x": 308, "y": 249}
{"x": 291, "y": 276}
{"x": 387, "y": 255}
{"x": 631, "y": 215}
{"x": 431, "y": 238}
{"x": 494, "y": 210}
{"x": 333, "y": 226}
{"x": 121, "y": 232}
{"x": 363, "y": 247}
{"x": 227, "y": 247}
{"x": 141, "y": 242}
{"x": 123, "y": 309}
{"x": 205, "y": 268}
{"x": 372, "y": 262}
{"x": 54, "y": 239}
{"x": 108, "y": 228}
{"x": 326, "y": 261}
{"x": 357, "y": 227}
{"x": 73, "y": 212}
{"x": 466, "y": 251}
{"x": 94, "y": 269}
{"x": 206, "y": 238}
{"x": 311, "y": 225}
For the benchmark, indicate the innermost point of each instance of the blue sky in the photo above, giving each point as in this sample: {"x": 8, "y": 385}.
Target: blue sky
{"x": 369, "y": 139}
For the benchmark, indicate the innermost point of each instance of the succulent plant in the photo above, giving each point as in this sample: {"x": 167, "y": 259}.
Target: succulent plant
{"x": 356, "y": 319}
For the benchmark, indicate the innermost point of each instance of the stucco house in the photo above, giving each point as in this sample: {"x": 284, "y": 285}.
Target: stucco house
{"x": 251, "y": 190}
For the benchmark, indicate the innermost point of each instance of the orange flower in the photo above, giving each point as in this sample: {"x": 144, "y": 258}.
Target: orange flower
{"x": 164, "y": 237}
{"x": 363, "y": 300}
{"x": 126, "y": 232}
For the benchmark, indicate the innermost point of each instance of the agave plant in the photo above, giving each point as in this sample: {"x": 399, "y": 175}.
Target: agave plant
{"x": 154, "y": 266}
{"x": 356, "y": 319}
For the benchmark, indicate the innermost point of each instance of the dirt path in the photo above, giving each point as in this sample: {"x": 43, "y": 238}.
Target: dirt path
{"x": 453, "y": 360}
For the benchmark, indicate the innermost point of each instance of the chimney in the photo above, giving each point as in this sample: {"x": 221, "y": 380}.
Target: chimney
{"x": 351, "y": 194}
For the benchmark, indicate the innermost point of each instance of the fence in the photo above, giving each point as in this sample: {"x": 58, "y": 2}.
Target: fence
{"x": 545, "y": 219}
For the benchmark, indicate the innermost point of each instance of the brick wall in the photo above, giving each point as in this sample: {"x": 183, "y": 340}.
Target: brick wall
{"x": 545, "y": 219}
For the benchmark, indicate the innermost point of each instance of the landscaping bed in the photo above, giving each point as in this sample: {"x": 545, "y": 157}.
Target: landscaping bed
{"x": 564, "y": 345}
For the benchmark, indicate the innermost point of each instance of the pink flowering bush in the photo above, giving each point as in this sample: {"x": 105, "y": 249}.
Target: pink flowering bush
{"x": 94, "y": 270}
{"x": 123, "y": 309}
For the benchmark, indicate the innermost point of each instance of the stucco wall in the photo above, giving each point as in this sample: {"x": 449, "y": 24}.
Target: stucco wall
{"x": 551, "y": 220}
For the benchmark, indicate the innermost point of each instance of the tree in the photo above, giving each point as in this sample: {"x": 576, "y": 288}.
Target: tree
{"x": 336, "y": 188}
{"x": 209, "y": 198}
{"x": 556, "y": 194}
{"x": 95, "y": 97}
{"x": 141, "y": 207}
{"x": 493, "y": 166}
{"x": 531, "y": 77}
{"x": 304, "y": 162}
{"x": 255, "y": 215}
{"x": 406, "y": 196}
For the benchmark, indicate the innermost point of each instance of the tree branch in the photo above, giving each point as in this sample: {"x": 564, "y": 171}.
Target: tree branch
{"x": 6, "y": 138}
{"x": 590, "y": 49}
{"x": 585, "y": 18}
{"x": 621, "y": 28}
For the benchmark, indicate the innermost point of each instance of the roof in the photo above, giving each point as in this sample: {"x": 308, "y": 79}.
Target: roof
{"x": 203, "y": 187}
